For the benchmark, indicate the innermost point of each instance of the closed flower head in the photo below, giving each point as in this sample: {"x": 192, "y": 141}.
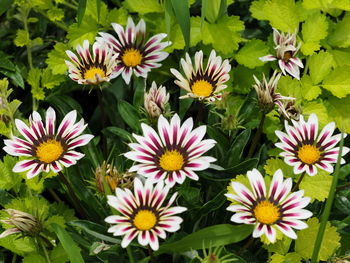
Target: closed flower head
{"x": 155, "y": 100}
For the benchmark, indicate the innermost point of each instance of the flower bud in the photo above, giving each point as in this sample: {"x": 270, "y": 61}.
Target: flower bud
{"x": 155, "y": 100}
{"x": 289, "y": 111}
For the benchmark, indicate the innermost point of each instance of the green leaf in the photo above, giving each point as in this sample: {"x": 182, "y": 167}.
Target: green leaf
{"x": 227, "y": 29}
{"x": 304, "y": 245}
{"x": 56, "y": 58}
{"x": 49, "y": 80}
{"x": 212, "y": 9}
{"x": 289, "y": 86}
{"x": 314, "y": 29}
{"x": 182, "y": 14}
{"x": 119, "y": 16}
{"x": 129, "y": 114}
{"x": 280, "y": 246}
{"x": 257, "y": 10}
{"x": 98, "y": 11}
{"x": 235, "y": 154}
{"x": 119, "y": 132}
{"x": 5, "y": 5}
{"x": 55, "y": 14}
{"x": 317, "y": 187}
{"x": 86, "y": 31}
{"x": 338, "y": 110}
{"x": 320, "y": 65}
{"x": 319, "y": 108}
{"x": 308, "y": 90}
{"x": 68, "y": 244}
{"x": 20, "y": 246}
{"x": 8, "y": 179}
{"x": 212, "y": 236}
{"x": 81, "y": 11}
{"x": 143, "y": 6}
{"x": 22, "y": 38}
{"x": 341, "y": 56}
{"x": 339, "y": 37}
{"x": 273, "y": 164}
{"x": 33, "y": 79}
{"x": 288, "y": 258}
{"x": 58, "y": 255}
{"x": 338, "y": 81}
{"x": 249, "y": 54}
{"x": 34, "y": 258}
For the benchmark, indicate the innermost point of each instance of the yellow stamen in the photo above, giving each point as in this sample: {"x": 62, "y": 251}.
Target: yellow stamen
{"x": 91, "y": 73}
{"x": 132, "y": 57}
{"x": 266, "y": 212}
{"x": 309, "y": 154}
{"x": 172, "y": 160}
{"x": 49, "y": 151}
{"x": 202, "y": 88}
{"x": 145, "y": 220}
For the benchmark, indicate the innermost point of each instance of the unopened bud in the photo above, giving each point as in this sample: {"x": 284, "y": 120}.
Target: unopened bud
{"x": 155, "y": 100}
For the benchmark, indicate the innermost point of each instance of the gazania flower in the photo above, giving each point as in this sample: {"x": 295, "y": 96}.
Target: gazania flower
{"x": 91, "y": 69}
{"x": 203, "y": 84}
{"x": 306, "y": 151}
{"x": 277, "y": 209}
{"x": 286, "y": 50}
{"x": 135, "y": 55}
{"x": 173, "y": 154}
{"x": 289, "y": 111}
{"x": 143, "y": 214}
{"x": 155, "y": 100}
{"x": 267, "y": 94}
{"x": 47, "y": 149}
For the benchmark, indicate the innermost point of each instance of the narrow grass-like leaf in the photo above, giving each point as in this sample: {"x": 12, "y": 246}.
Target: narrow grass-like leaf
{"x": 81, "y": 11}
{"x": 182, "y": 13}
{"x": 169, "y": 12}
{"x": 98, "y": 5}
{"x": 68, "y": 244}
{"x": 205, "y": 4}
{"x": 212, "y": 236}
{"x": 129, "y": 114}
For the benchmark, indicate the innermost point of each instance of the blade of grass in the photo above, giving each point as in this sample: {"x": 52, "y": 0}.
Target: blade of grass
{"x": 182, "y": 13}
{"x": 328, "y": 206}
{"x": 204, "y": 9}
{"x": 81, "y": 11}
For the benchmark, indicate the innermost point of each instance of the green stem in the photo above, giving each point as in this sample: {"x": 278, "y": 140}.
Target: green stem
{"x": 57, "y": 23}
{"x": 14, "y": 258}
{"x": 131, "y": 257}
{"x": 150, "y": 252}
{"x": 69, "y": 5}
{"x": 45, "y": 251}
{"x": 328, "y": 206}
{"x": 256, "y": 136}
{"x": 306, "y": 66}
{"x": 103, "y": 119}
{"x": 299, "y": 181}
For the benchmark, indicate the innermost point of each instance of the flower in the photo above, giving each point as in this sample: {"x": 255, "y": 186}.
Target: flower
{"x": 47, "y": 149}
{"x": 23, "y": 222}
{"x": 204, "y": 85}
{"x": 267, "y": 94}
{"x": 173, "y": 154}
{"x": 306, "y": 151}
{"x": 143, "y": 213}
{"x": 155, "y": 100}
{"x": 277, "y": 209}
{"x": 289, "y": 110}
{"x": 134, "y": 54}
{"x": 286, "y": 50}
{"x": 91, "y": 69}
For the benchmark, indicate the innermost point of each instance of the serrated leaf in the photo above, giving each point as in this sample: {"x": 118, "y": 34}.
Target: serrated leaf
{"x": 81, "y": 11}
{"x": 308, "y": 90}
{"x": 143, "y": 6}
{"x": 257, "y": 10}
{"x": 290, "y": 87}
{"x": 22, "y": 38}
{"x": 86, "y": 31}
{"x": 304, "y": 245}
{"x": 92, "y": 9}
{"x": 8, "y": 179}
{"x": 338, "y": 81}
{"x": 339, "y": 37}
{"x": 49, "y": 80}
{"x": 320, "y": 65}
{"x": 56, "y": 58}
{"x": 280, "y": 246}
{"x": 55, "y": 13}
{"x": 317, "y": 187}
{"x": 273, "y": 164}
{"x": 319, "y": 108}
{"x": 119, "y": 16}
{"x": 249, "y": 54}
{"x": 33, "y": 79}
{"x": 341, "y": 56}
{"x": 288, "y": 258}
{"x": 314, "y": 29}
{"x": 338, "y": 110}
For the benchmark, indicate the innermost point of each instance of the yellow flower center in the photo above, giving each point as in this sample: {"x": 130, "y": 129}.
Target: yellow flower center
{"x": 202, "y": 88}
{"x": 171, "y": 160}
{"x": 49, "y": 151}
{"x": 309, "y": 154}
{"x": 266, "y": 212}
{"x": 145, "y": 220}
{"x": 91, "y": 73}
{"x": 132, "y": 57}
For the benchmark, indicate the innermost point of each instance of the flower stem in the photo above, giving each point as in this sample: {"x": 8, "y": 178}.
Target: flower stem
{"x": 45, "y": 251}
{"x": 72, "y": 194}
{"x": 103, "y": 119}
{"x": 257, "y": 136}
{"x": 151, "y": 256}
{"x": 328, "y": 206}
{"x": 14, "y": 258}
{"x": 299, "y": 181}
{"x": 131, "y": 256}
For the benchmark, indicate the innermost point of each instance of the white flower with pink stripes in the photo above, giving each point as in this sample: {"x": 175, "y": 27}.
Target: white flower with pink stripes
{"x": 91, "y": 68}
{"x": 143, "y": 214}
{"x": 272, "y": 211}
{"x": 306, "y": 151}
{"x": 47, "y": 149}
{"x": 286, "y": 51}
{"x": 135, "y": 55}
{"x": 173, "y": 153}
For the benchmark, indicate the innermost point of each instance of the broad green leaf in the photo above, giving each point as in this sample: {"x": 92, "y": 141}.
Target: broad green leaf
{"x": 212, "y": 10}
{"x": 273, "y": 164}
{"x": 19, "y": 246}
{"x": 320, "y": 65}
{"x": 56, "y": 58}
{"x": 129, "y": 114}
{"x": 8, "y": 178}
{"x": 341, "y": 56}
{"x": 290, "y": 87}
{"x": 257, "y": 9}
{"x": 196, "y": 30}
{"x": 182, "y": 14}
{"x": 55, "y": 13}
{"x": 86, "y": 31}
{"x": 339, "y": 37}
{"x": 34, "y": 258}
{"x": 317, "y": 187}
{"x": 338, "y": 110}
{"x": 319, "y": 4}
{"x": 68, "y": 244}
{"x": 99, "y": 12}
{"x": 308, "y": 90}
{"x": 227, "y": 29}
{"x": 271, "y": 124}
{"x": 338, "y": 81}
{"x": 58, "y": 255}
{"x": 49, "y": 80}
{"x": 33, "y": 79}
{"x": 314, "y": 29}
{"x": 280, "y": 246}
{"x": 119, "y": 16}
{"x": 22, "y": 38}
{"x": 143, "y": 6}
{"x": 319, "y": 108}
{"x": 304, "y": 245}
{"x": 81, "y": 11}
{"x": 288, "y": 258}
{"x": 249, "y": 54}
{"x": 212, "y": 236}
